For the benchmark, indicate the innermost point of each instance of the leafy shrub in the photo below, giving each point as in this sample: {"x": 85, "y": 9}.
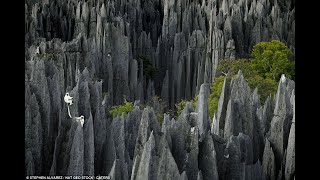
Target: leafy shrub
{"x": 182, "y": 104}
{"x": 46, "y": 56}
{"x": 119, "y": 109}
{"x": 160, "y": 117}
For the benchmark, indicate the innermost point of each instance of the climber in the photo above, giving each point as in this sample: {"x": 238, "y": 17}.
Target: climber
{"x": 68, "y": 99}
{"x": 80, "y": 119}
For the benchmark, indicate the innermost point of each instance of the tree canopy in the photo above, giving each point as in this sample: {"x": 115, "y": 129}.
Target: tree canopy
{"x": 271, "y": 59}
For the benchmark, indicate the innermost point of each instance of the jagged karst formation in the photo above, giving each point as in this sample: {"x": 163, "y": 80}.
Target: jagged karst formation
{"x": 94, "y": 50}
{"x": 238, "y": 146}
{"x": 183, "y": 40}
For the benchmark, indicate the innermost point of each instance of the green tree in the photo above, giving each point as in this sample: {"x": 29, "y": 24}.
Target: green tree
{"x": 180, "y": 105}
{"x": 271, "y": 59}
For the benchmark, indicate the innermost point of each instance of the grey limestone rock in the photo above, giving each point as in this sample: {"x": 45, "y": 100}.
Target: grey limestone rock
{"x": 222, "y": 106}
{"x": 268, "y": 162}
{"x": 33, "y": 134}
{"x": 241, "y": 94}
{"x": 167, "y": 168}
{"x": 39, "y": 87}
{"x": 254, "y": 171}
{"x": 115, "y": 172}
{"x": 192, "y": 153}
{"x": 233, "y": 122}
{"x": 88, "y": 155}
{"x": 215, "y": 125}
{"x": 147, "y": 165}
{"x": 76, "y": 164}
{"x": 108, "y": 153}
{"x": 147, "y": 125}
{"x": 230, "y": 50}
{"x": 246, "y": 146}
{"x": 183, "y": 176}
{"x": 281, "y": 121}
{"x": 207, "y": 159}
{"x": 100, "y": 134}
{"x": 29, "y": 164}
{"x": 179, "y": 135}
{"x": 232, "y": 157}
{"x": 290, "y": 159}
{"x": 92, "y": 50}
{"x": 166, "y": 129}
{"x": 202, "y": 110}
{"x": 200, "y": 177}
{"x": 165, "y": 88}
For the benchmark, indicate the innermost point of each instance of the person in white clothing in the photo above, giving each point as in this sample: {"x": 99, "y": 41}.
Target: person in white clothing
{"x": 80, "y": 119}
{"x": 68, "y": 99}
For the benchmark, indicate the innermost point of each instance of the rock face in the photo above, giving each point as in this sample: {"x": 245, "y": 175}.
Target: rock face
{"x": 135, "y": 146}
{"x": 290, "y": 158}
{"x": 282, "y": 119}
{"x": 147, "y": 165}
{"x": 202, "y": 111}
{"x": 76, "y": 164}
{"x": 207, "y": 159}
{"x": 105, "y": 52}
{"x": 268, "y": 166}
{"x": 182, "y": 41}
{"x": 167, "y": 168}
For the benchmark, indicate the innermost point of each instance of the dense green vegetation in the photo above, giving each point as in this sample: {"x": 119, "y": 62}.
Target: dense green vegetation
{"x": 271, "y": 59}
{"x": 119, "y": 109}
{"x": 128, "y": 107}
